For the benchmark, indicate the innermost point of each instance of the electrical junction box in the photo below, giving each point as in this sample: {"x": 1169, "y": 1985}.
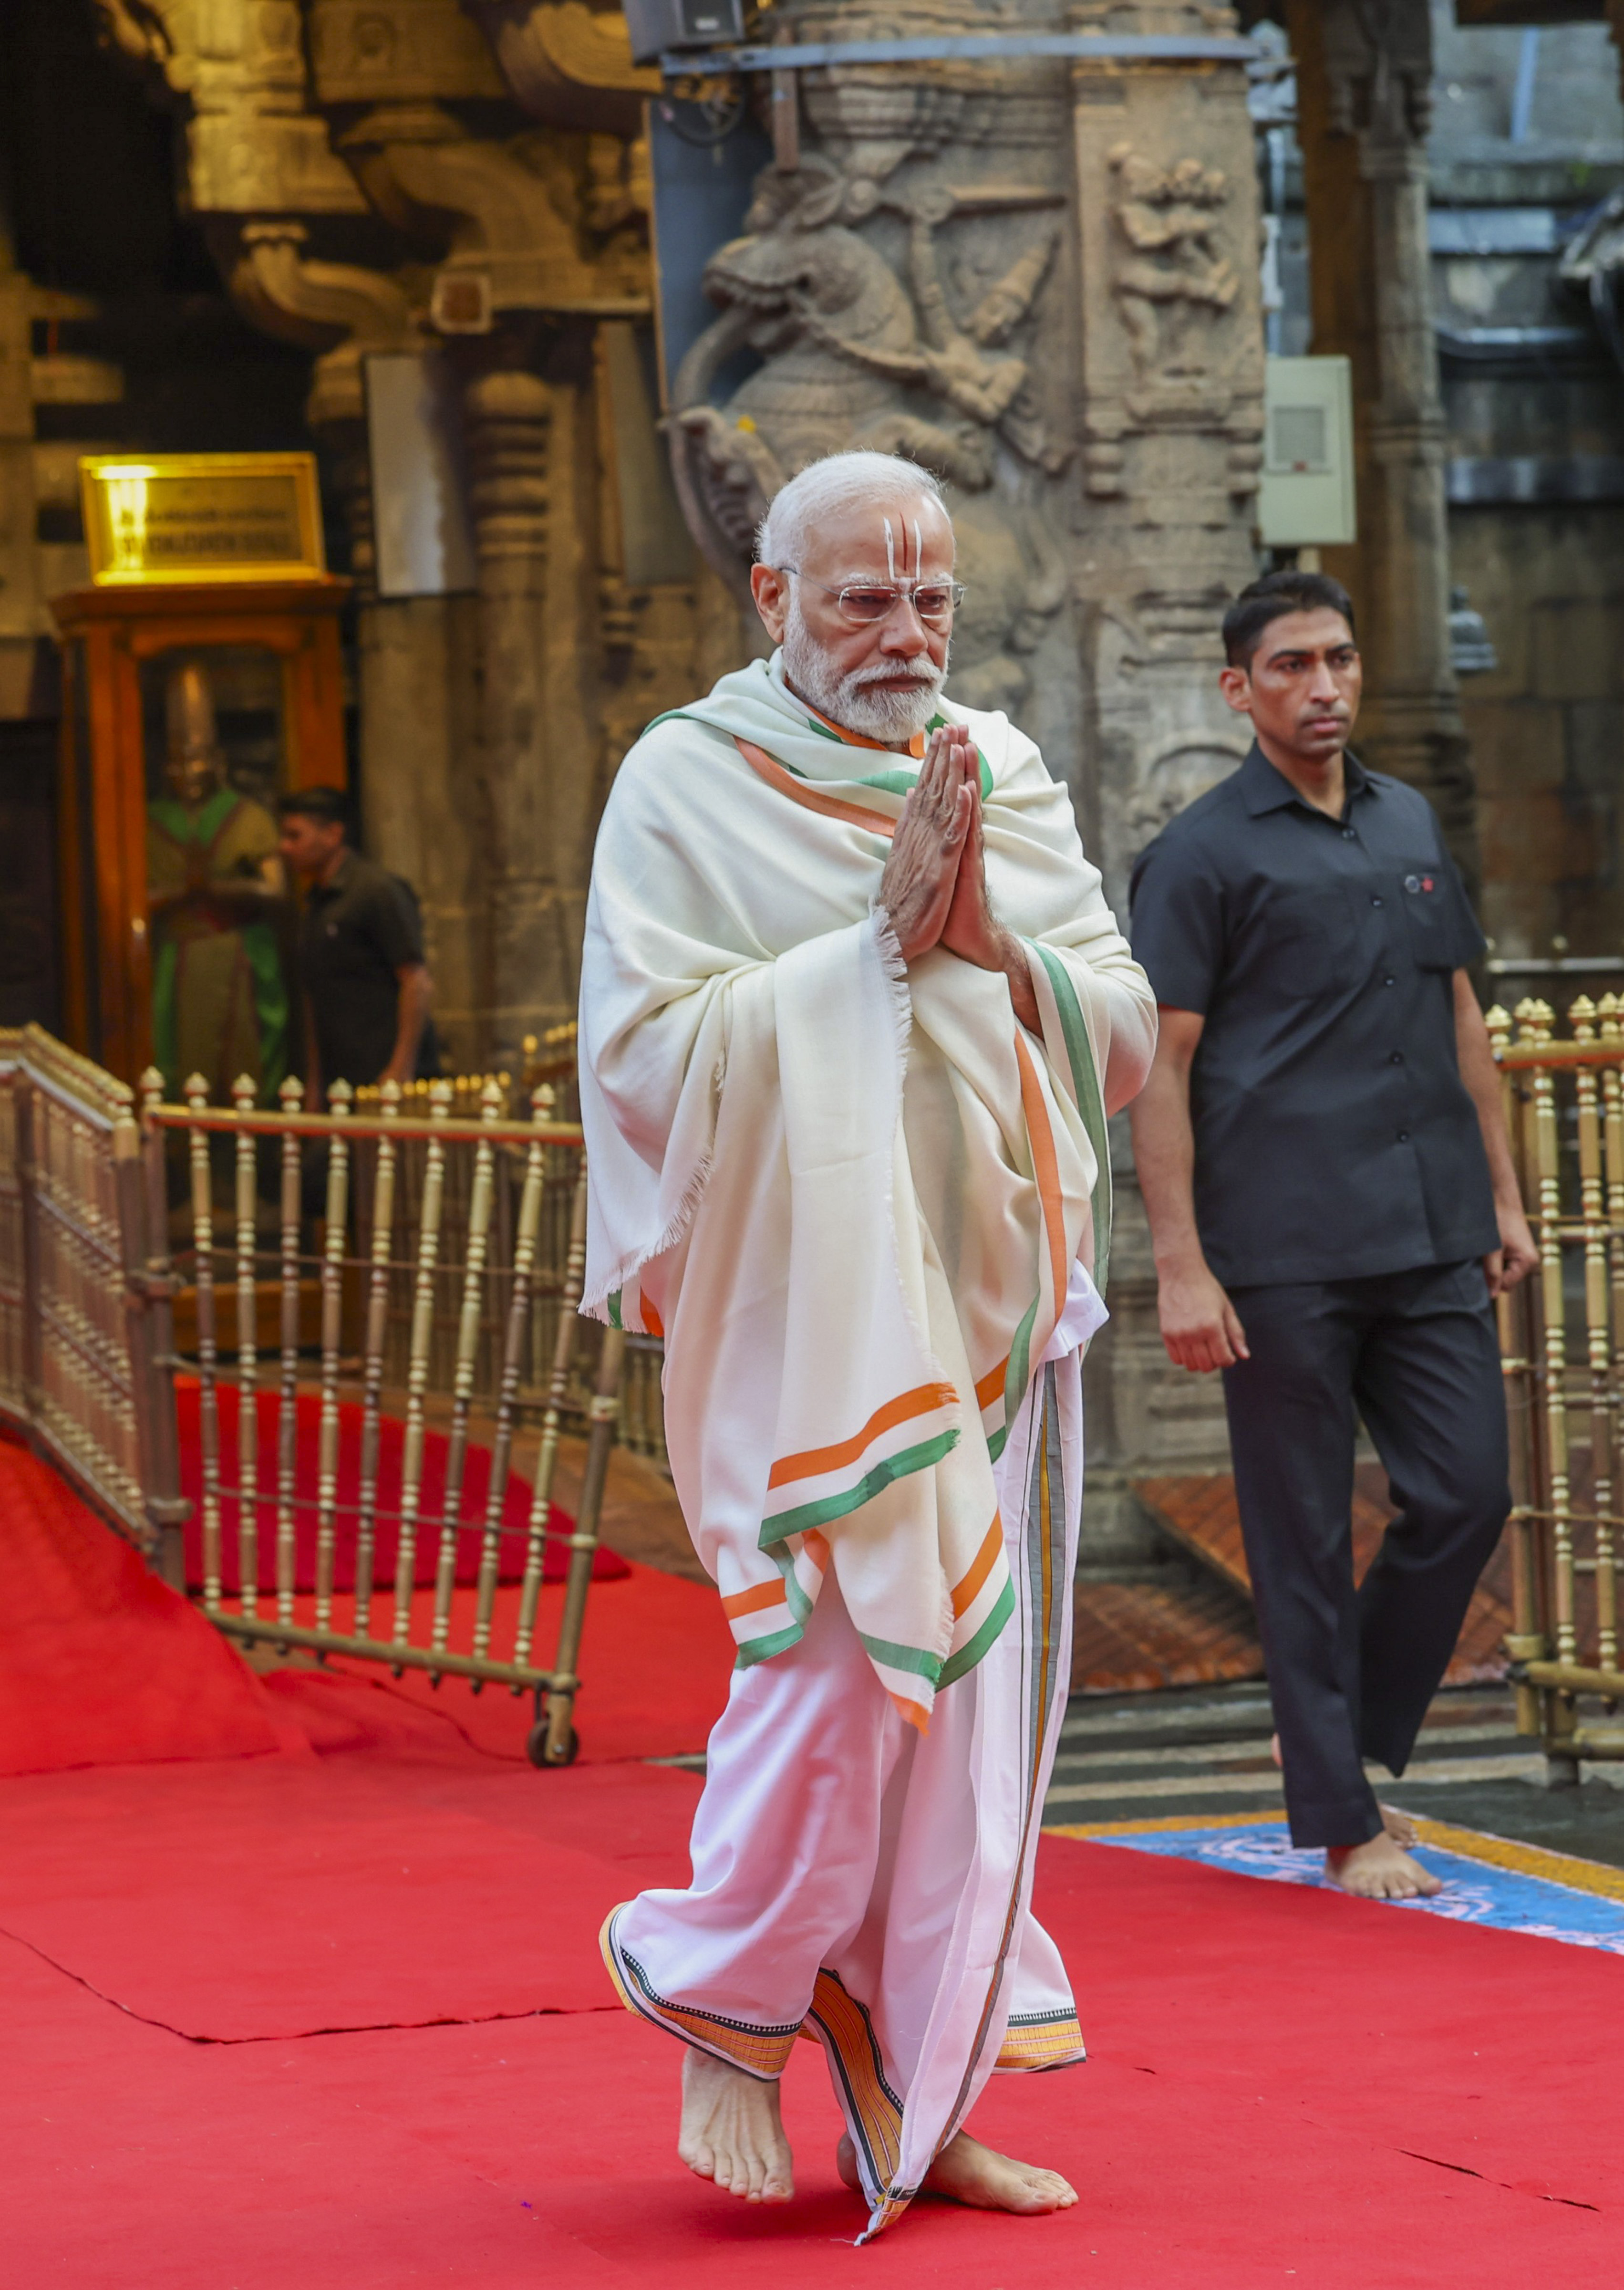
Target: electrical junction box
{"x": 1306, "y": 500}
{"x": 671, "y": 26}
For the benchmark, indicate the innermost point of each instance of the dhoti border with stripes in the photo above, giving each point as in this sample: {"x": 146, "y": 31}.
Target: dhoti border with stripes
{"x": 775, "y": 1940}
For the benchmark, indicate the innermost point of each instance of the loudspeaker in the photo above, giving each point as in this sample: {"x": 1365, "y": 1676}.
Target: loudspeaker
{"x": 666, "y": 27}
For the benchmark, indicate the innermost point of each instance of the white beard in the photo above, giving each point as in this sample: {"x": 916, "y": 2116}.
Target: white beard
{"x": 893, "y": 717}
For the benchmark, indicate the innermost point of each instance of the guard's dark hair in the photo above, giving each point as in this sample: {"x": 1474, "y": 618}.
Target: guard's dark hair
{"x": 1271, "y": 598}
{"x": 330, "y": 804}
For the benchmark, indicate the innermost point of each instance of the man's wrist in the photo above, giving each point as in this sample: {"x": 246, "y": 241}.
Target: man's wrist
{"x": 1183, "y": 1260}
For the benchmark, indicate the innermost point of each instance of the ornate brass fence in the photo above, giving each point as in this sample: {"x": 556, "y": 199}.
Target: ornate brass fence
{"x": 437, "y": 1291}
{"x": 79, "y": 1371}
{"x": 1562, "y": 1336}
{"x": 381, "y": 1310}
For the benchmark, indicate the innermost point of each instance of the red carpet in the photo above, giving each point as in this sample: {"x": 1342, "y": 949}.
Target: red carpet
{"x": 1285, "y": 2085}
{"x": 606, "y": 1568}
{"x": 98, "y": 1662}
{"x": 101, "y": 1664}
{"x": 336, "y": 2021}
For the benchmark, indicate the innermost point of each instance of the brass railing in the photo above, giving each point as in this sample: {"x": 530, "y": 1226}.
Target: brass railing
{"x": 360, "y": 1295}
{"x": 343, "y": 1268}
{"x": 80, "y": 1372}
{"x": 1561, "y": 1337}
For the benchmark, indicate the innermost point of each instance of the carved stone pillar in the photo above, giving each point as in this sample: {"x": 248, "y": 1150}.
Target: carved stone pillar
{"x": 1041, "y": 279}
{"x": 532, "y": 453}
{"x": 20, "y": 607}
{"x": 1364, "y": 74}
{"x": 1170, "y": 420}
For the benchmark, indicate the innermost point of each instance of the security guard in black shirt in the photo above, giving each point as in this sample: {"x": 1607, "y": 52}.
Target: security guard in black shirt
{"x": 366, "y": 986}
{"x": 1332, "y": 1204}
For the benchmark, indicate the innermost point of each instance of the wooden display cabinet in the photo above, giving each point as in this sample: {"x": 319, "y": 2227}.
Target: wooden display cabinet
{"x": 246, "y": 677}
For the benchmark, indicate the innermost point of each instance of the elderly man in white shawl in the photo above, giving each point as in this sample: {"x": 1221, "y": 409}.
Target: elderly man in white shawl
{"x": 854, "y": 1013}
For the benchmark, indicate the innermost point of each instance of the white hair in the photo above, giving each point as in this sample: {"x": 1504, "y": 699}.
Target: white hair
{"x": 835, "y": 483}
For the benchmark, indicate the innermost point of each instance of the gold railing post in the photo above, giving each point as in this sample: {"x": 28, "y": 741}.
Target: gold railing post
{"x": 466, "y": 1361}
{"x": 558, "y": 1395}
{"x": 333, "y": 1344}
{"x": 417, "y": 1372}
{"x": 513, "y": 1356}
{"x": 208, "y": 1355}
{"x": 376, "y": 1339}
{"x": 1526, "y": 1640}
{"x": 243, "y": 1096}
{"x": 1537, "y": 1020}
{"x": 290, "y": 1205}
{"x": 1598, "y": 1314}
{"x": 164, "y": 1501}
{"x": 558, "y": 1743}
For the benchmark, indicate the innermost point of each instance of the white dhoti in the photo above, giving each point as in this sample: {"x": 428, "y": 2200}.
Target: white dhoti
{"x": 857, "y": 1881}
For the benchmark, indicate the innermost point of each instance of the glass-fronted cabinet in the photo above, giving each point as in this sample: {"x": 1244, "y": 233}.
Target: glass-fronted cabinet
{"x": 188, "y": 709}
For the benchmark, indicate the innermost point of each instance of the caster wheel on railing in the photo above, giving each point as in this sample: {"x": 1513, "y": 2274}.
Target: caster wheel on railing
{"x": 535, "y": 1746}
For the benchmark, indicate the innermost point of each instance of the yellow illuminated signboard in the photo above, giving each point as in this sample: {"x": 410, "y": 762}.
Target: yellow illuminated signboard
{"x": 200, "y": 516}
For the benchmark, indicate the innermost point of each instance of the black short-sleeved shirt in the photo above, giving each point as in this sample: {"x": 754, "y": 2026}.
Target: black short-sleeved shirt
{"x": 1334, "y": 1137}
{"x": 355, "y": 934}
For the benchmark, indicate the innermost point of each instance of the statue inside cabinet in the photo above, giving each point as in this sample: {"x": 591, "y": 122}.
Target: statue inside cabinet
{"x": 219, "y": 907}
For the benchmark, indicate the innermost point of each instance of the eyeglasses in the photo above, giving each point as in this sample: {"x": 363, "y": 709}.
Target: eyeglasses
{"x": 934, "y": 601}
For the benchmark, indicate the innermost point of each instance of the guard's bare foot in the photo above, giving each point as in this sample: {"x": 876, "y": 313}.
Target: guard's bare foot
{"x": 732, "y": 2132}
{"x": 967, "y": 2172}
{"x": 1400, "y": 1828}
{"x": 1379, "y": 1870}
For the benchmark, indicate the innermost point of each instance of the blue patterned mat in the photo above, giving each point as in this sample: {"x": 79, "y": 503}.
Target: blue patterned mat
{"x": 1487, "y": 1880}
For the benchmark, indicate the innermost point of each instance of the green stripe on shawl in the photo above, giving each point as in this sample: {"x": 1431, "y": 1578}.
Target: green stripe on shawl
{"x": 1091, "y": 1105}
{"x": 921, "y": 1664}
{"x": 898, "y": 781}
{"x": 794, "y": 1597}
{"x": 614, "y": 1302}
{"x": 1016, "y": 1376}
{"x": 763, "y": 1649}
{"x": 967, "y": 1656}
{"x": 853, "y": 1498}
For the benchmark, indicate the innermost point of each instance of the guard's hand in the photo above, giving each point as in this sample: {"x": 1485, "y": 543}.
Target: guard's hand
{"x": 1201, "y": 1328}
{"x": 1515, "y": 1257}
{"x": 921, "y": 874}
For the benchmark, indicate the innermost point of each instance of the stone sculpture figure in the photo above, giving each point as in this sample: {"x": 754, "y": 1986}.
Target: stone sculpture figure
{"x": 859, "y": 352}
{"x": 1168, "y": 216}
{"x": 220, "y": 994}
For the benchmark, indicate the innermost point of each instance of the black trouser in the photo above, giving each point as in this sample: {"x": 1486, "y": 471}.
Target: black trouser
{"x": 1351, "y": 1674}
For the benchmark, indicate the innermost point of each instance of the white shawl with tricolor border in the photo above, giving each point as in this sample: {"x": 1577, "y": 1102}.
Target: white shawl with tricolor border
{"x": 848, "y": 1192}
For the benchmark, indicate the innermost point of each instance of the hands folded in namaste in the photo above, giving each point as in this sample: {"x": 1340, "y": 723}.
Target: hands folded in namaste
{"x": 934, "y": 886}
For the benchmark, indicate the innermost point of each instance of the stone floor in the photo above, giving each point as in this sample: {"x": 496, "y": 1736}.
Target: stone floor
{"x": 1180, "y": 1757}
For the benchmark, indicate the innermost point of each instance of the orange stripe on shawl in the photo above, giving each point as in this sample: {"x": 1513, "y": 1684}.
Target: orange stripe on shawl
{"x": 818, "y": 1459}
{"x": 986, "y": 1558}
{"x": 751, "y": 1602}
{"x": 915, "y": 746}
{"x": 855, "y": 814}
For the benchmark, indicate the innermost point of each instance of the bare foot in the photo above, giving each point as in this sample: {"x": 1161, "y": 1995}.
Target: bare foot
{"x": 1378, "y": 1871}
{"x": 1399, "y": 1826}
{"x": 732, "y": 2132}
{"x": 967, "y": 2172}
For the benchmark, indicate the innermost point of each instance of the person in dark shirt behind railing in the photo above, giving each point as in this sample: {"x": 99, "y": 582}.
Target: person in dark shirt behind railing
{"x": 365, "y": 984}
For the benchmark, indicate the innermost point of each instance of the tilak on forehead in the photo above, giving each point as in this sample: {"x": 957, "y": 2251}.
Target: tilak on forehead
{"x": 890, "y": 551}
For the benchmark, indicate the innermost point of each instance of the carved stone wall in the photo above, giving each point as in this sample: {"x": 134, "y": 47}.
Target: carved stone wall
{"x": 1365, "y": 87}
{"x": 372, "y": 176}
{"x": 1040, "y": 279}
